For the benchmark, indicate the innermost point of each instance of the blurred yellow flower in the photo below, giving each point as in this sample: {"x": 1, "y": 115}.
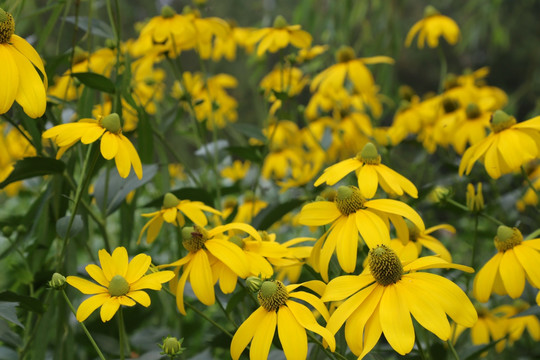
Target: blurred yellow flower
{"x": 173, "y": 212}
{"x": 237, "y": 171}
{"x": 119, "y": 283}
{"x": 113, "y": 143}
{"x": 279, "y": 36}
{"x": 382, "y": 299}
{"x": 284, "y": 309}
{"x": 433, "y": 26}
{"x": 475, "y": 201}
{"x": 515, "y": 261}
{"x": 21, "y": 82}
{"x": 412, "y": 247}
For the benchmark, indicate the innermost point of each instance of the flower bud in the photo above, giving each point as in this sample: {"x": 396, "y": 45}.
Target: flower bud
{"x": 254, "y": 283}
{"x": 172, "y": 346}
{"x": 58, "y": 281}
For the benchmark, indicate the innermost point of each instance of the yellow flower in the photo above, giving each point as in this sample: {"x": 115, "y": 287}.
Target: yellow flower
{"x": 350, "y": 214}
{"x": 515, "y": 261}
{"x": 370, "y": 173}
{"x": 382, "y": 299}
{"x": 291, "y": 268}
{"x": 475, "y": 202}
{"x": 226, "y": 46}
{"x": 288, "y": 80}
{"x": 173, "y": 212}
{"x": 237, "y": 171}
{"x": 518, "y": 323}
{"x": 530, "y": 197}
{"x": 120, "y": 283}
{"x": 350, "y": 67}
{"x": 507, "y": 148}
{"x": 13, "y": 146}
{"x": 411, "y": 249}
{"x": 209, "y": 255}
{"x": 433, "y": 26}
{"x": 113, "y": 143}
{"x": 310, "y": 53}
{"x": 284, "y": 309}
{"x": 470, "y": 129}
{"x": 20, "y": 80}
{"x": 489, "y": 325}
{"x": 280, "y": 36}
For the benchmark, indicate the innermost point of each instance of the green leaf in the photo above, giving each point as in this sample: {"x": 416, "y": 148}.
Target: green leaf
{"x": 271, "y": 214}
{"x": 95, "y": 81}
{"x": 95, "y": 26}
{"x": 7, "y": 312}
{"x": 62, "y": 226}
{"x": 31, "y": 167}
{"x": 25, "y": 302}
{"x": 533, "y": 310}
{"x": 119, "y": 187}
{"x": 252, "y": 153}
{"x": 250, "y": 130}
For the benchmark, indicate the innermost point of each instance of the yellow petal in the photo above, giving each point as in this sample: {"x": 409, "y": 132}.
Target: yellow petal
{"x": 89, "y": 305}
{"x": 134, "y": 158}
{"x": 120, "y": 260}
{"x": 313, "y": 301}
{"x": 434, "y": 262}
{"x": 180, "y": 287}
{"x": 169, "y": 215}
{"x": 194, "y": 213}
{"x": 484, "y": 279}
{"x": 245, "y": 332}
{"x": 329, "y": 247}
{"x": 338, "y": 171}
{"x": 344, "y": 286}
{"x": 107, "y": 265}
{"x": 31, "y": 91}
{"x": 344, "y": 310}
{"x": 10, "y": 78}
{"x": 305, "y": 317}
{"x": 92, "y": 134}
{"x": 230, "y": 254}
{"x": 201, "y": 278}
{"x": 368, "y": 180}
{"x": 109, "y": 308}
{"x": 137, "y": 267}
{"x": 291, "y": 335}
{"x": 372, "y": 333}
{"x": 372, "y": 228}
{"x": 360, "y": 75}
{"x": 122, "y": 159}
{"x": 347, "y": 244}
{"x": 512, "y": 274}
{"x": 152, "y": 281}
{"x": 109, "y": 145}
{"x": 396, "y": 322}
{"x": 30, "y": 53}
{"x": 141, "y": 297}
{"x": 398, "y": 208}
{"x": 529, "y": 259}
{"x": 264, "y": 334}
{"x": 319, "y": 213}
{"x": 97, "y": 274}
{"x": 85, "y": 286}
{"x": 412, "y": 32}
{"x": 235, "y": 226}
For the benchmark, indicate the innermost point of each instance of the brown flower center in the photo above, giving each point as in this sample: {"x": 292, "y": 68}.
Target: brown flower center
{"x": 7, "y": 26}
{"x": 272, "y": 295}
{"x": 194, "y": 238}
{"x": 349, "y": 200}
{"x": 385, "y": 265}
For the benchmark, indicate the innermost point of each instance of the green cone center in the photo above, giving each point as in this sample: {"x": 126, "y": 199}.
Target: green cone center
{"x": 118, "y": 286}
{"x": 385, "y": 265}
{"x": 167, "y": 12}
{"x": 112, "y": 123}
{"x": 7, "y": 26}
{"x": 345, "y": 54}
{"x": 272, "y": 295}
{"x": 369, "y": 155}
{"x": 349, "y": 199}
{"x": 170, "y": 201}
{"x": 507, "y": 238}
{"x": 280, "y": 22}
{"x": 501, "y": 121}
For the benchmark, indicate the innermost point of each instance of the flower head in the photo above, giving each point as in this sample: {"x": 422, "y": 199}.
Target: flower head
{"x": 120, "y": 282}
{"x": 21, "y": 82}
{"x": 113, "y": 143}
{"x": 280, "y": 308}
{"x": 515, "y": 261}
{"x": 433, "y": 26}
{"x": 382, "y": 299}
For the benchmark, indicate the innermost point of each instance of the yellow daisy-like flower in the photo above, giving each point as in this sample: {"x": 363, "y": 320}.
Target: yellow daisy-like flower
{"x": 208, "y": 250}
{"x": 370, "y": 173}
{"x": 173, "y": 212}
{"x": 351, "y": 67}
{"x": 517, "y": 323}
{"x": 507, "y": 148}
{"x": 515, "y": 261}
{"x": 433, "y": 26}
{"x": 113, "y": 143}
{"x": 119, "y": 283}
{"x": 20, "y": 80}
{"x": 350, "y": 214}
{"x": 382, "y": 299}
{"x": 280, "y": 36}
{"x": 284, "y": 309}
{"x": 412, "y": 248}
{"x": 237, "y": 171}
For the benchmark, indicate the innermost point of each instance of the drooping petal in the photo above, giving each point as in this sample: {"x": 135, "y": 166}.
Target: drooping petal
{"x": 291, "y": 335}
{"x": 262, "y": 339}
{"x": 319, "y": 213}
{"x": 89, "y": 305}
{"x": 305, "y": 317}
{"x": 344, "y": 286}
{"x": 484, "y": 279}
{"x": 152, "y": 281}
{"x": 434, "y": 262}
{"x": 109, "y": 145}
{"x": 398, "y": 208}
{"x": 85, "y": 286}
{"x": 97, "y": 274}
{"x": 230, "y": 254}
{"x": 201, "y": 278}
{"x": 512, "y": 274}
{"x": 107, "y": 265}
{"x": 529, "y": 259}
{"x": 235, "y": 226}
{"x": 137, "y": 267}
{"x": 30, "y": 53}
{"x": 368, "y": 181}
{"x": 313, "y": 301}
{"x": 122, "y": 159}
{"x": 194, "y": 213}
{"x": 92, "y": 134}
{"x": 141, "y": 297}
{"x": 10, "y": 79}
{"x": 338, "y": 171}
{"x": 396, "y": 320}
{"x": 347, "y": 244}
{"x": 372, "y": 228}
{"x": 169, "y": 215}
{"x": 372, "y": 332}
{"x": 109, "y": 308}
{"x": 133, "y": 155}
{"x": 245, "y": 332}
{"x": 180, "y": 288}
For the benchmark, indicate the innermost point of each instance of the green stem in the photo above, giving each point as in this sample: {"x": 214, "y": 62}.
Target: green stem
{"x": 96, "y": 347}
{"x": 420, "y": 349}
{"x": 452, "y": 349}
{"x": 227, "y": 315}
{"x": 444, "y": 68}
{"x": 475, "y": 246}
{"x": 463, "y": 207}
{"x": 529, "y": 182}
{"x": 122, "y": 336}
{"x": 330, "y": 354}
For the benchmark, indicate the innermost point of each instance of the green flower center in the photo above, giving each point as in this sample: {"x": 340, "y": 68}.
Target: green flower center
{"x": 501, "y": 121}
{"x": 414, "y": 232}
{"x": 369, "y": 155}
{"x": 385, "y": 265}
{"x": 167, "y": 12}
{"x": 472, "y": 111}
{"x": 450, "y": 105}
{"x": 349, "y": 199}
{"x": 7, "y": 26}
{"x": 345, "y": 54}
{"x": 118, "y": 286}
{"x": 170, "y": 201}
{"x": 406, "y": 92}
{"x": 280, "y": 22}
{"x": 430, "y": 11}
{"x": 194, "y": 238}
{"x": 112, "y": 123}
{"x": 507, "y": 238}
{"x": 272, "y": 295}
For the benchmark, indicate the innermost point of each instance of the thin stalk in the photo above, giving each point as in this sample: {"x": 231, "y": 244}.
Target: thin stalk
{"x": 444, "y": 68}
{"x": 88, "y": 335}
{"x": 420, "y": 349}
{"x": 452, "y": 349}
{"x": 463, "y": 207}
{"x": 122, "y": 336}
{"x": 227, "y": 315}
{"x": 475, "y": 246}
{"x": 330, "y": 354}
